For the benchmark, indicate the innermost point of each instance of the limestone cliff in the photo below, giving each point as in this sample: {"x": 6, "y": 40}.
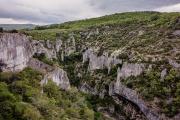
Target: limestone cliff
{"x": 17, "y": 50}
{"x": 100, "y": 62}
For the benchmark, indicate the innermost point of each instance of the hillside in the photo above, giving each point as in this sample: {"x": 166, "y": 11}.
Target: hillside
{"x": 121, "y": 66}
{"x": 151, "y": 19}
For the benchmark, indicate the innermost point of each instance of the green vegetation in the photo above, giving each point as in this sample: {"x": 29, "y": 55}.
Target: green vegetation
{"x": 42, "y": 57}
{"x": 151, "y": 86}
{"x": 141, "y": 37}
{"x": 151, "y": 19}
{"x": 21, "y": 99}
{"x": 49, "y": 34}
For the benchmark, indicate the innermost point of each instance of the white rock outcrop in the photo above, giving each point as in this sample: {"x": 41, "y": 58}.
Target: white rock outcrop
{"x": 130, "y": 69}
{"x": 100, "y": 62}
{"x": 163, "y": 74}
{"x": 58, "y": 76}
{"x": 48, "y": 48}
{"x": 174, "y": 63}
{"x": 15, "y": 51}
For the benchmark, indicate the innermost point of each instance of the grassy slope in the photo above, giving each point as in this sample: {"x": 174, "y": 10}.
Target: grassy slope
{"x": 153, "y": 19}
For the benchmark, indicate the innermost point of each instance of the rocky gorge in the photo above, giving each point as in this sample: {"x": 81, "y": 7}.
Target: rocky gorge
{"x": 138, "y": 75}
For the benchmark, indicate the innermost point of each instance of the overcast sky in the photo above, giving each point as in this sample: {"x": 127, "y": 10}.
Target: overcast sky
{"x": 58, "y": 11}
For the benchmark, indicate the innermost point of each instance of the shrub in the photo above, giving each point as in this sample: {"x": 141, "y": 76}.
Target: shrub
{"x": 25, "y": 111}
{"x": 30, "y": 76}
{"x": 22, "y": 88}
{"x": 6, "y": 110}
{"x": 154, "y": 17}
{"x": 86, "y": 114}
{"x": 31, "y": 113}
{"x": 42, "y": 57}
{"x": 5, "y": 94}
{"x": 7, "y": 77}
{"x": 51, "y": 89}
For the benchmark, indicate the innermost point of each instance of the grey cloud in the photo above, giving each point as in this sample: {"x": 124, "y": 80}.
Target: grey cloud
{"x": 56, "y": 11}
{"x": 33, "y": 15}
{"x": 132, "y": 5}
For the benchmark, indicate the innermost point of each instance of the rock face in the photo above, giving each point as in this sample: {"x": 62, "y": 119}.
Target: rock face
{"x": 163, "y": 74}
{"x": 174, "y": 63}
{"x": 176, "y": 32}
{"x": 40, "y": 66}
{"x": 69, "y": 45}
{"x": 129, "y": 69}
{"x": 99, "y": 62}
{"x": 48, "y": 48}
{"x": 132, "y": 96}
{"x": 118, "y": 88}
{"x": 15, "y": 51}
{"x": 59, "y": 76}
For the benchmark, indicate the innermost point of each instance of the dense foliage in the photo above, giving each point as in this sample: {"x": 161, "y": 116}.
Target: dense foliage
{"x": 21, "y": 98}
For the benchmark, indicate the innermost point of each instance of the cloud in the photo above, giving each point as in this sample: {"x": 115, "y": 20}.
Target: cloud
{"x": 12, "y": 21}
{"x": 171, "y": 8}
{"x": 112, "y": 6}
{"x": 58, "y": 11}
{"x": 49, "y": 11}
